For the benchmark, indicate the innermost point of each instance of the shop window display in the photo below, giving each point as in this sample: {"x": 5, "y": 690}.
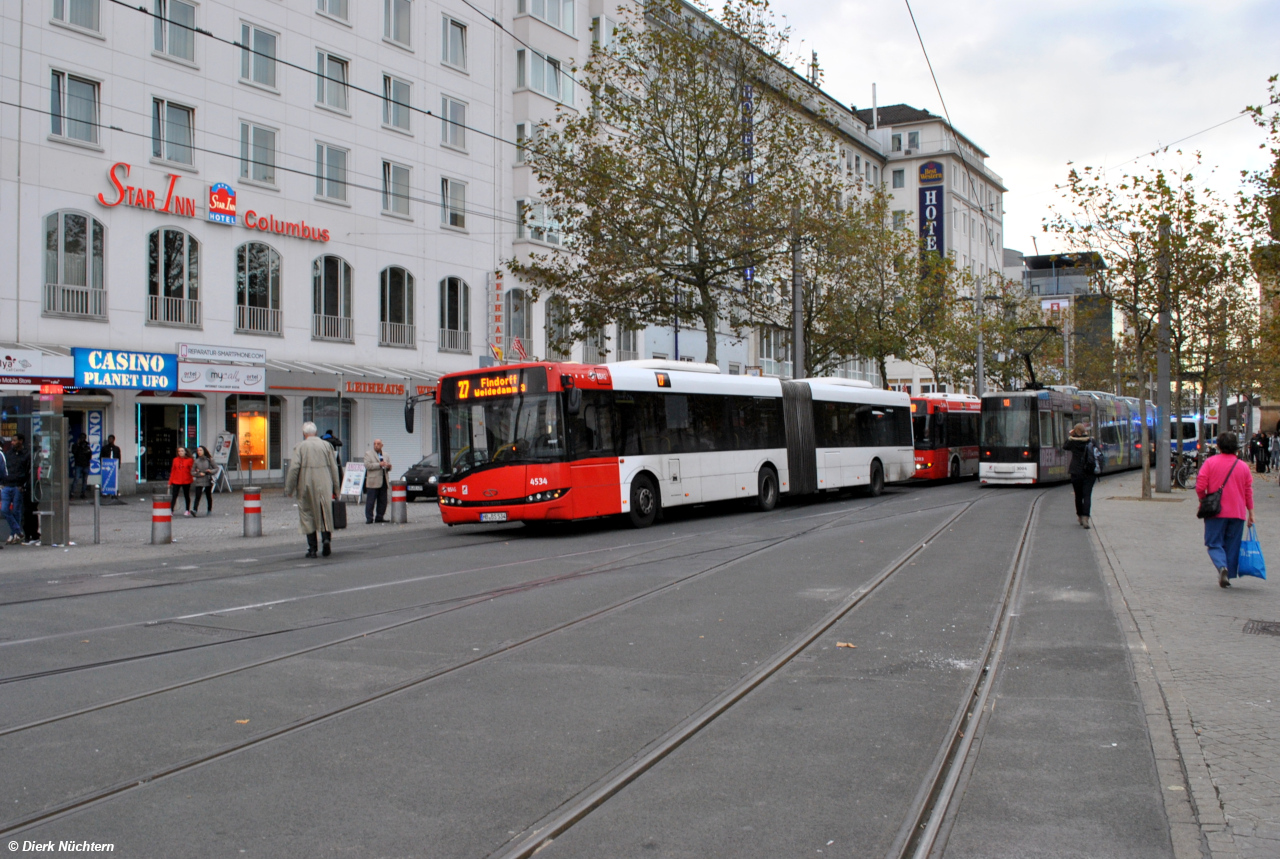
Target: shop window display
{"x": 255, "y": 420}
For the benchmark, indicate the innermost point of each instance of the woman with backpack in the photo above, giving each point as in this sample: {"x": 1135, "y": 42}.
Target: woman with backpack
{"x": 1224, "y": 520}
{"x": 1086, "y": 463}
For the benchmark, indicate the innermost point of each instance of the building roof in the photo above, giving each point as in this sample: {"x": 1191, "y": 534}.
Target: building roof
{"x": 1058, "y": 262}
{"x": 1012, "y": 258}
{"x": 896, "y": 114}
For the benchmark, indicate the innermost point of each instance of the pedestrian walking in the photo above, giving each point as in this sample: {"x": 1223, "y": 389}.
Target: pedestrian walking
{"x": 1275, "y": 451}
{"x": 13, "y": 487}
{"x": 1085, "y": 457}
{"x": 377, "y": 466}
{"x": 313, "y": 478}
{"x": 1222, "y": 533}
{"x": 180, "y": 479}
{"x": 110, "y": 450}
{"x": 202, "y": 471}
{"x": 1264, "y": 452}
{"x": 81, "y": 460}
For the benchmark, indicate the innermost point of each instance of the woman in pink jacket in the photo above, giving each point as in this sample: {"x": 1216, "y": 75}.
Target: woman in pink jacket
{"x": 1223, "y": 532}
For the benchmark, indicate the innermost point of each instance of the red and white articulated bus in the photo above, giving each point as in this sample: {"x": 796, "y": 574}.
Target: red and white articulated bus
{"x": 945, "y": 428}
{"x": 547, "y": 441}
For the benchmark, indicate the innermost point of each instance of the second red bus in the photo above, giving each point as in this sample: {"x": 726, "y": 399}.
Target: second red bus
{"x": 945, "y": 427}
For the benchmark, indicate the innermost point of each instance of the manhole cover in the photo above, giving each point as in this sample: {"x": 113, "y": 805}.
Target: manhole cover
{"x": 1262, "y": 627}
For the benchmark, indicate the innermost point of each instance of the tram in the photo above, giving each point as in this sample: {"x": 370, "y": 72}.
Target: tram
{"x": 1022, "y": 433}
{"x": 945, "y": 429}
{"x": 558, "y": 441}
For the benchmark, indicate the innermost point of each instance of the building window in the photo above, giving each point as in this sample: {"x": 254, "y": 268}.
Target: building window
{"x": 913, "y": 140}
{"x": 603, "y": 31}
{"x": 454, "y": 49}
{"x": 395, "y": 188}
{"x": 257, "y": 289}
{"x": 396, "y": 308}
{"x": 775, "y": 351}
{"x": 172, "y": 131}
{"x": 455, "y": 315}
{"x": 453, "y": 203}
{"x": 77, "y": 13}
{"x": 595, "y": 349}
{"x": 527, "y": 136}
{"x": 559, "y": 329}
{"x": 176, "y": 29}
{"x": 336, "y": 8}
{"x": 331, "y": 172}
{"x": 330, "y": 415}
{"x": 173, "y": 263}
{"x": 331, "y": 299}
{"x": 395, "y": 102}
{"x": 255, "y": 422}
{"x": 453, "y": 128}
{"x": 628, "y": 343}
{"x": 257, "y": 55}
{"x": 557, "y": 13}
{"x": 73, "y": 107}
{"x": 257, "y": 153}
{"x": 900, "y": 219}
{"x": 395, "y": 14}
{"x": 543, "y": 74}
{"x": 73, "y": 269}
{"x": 533, "y": 222}
{"x": 516, "y": 308}
{"x": 331, "y": 81}
{"x": 899, "y": 178}
{"x": 895, "y": 143}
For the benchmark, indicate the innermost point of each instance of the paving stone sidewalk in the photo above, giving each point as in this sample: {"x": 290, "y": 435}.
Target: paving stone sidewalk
{"x": 1220, "y": 684}
{"x": 126, "y": 530}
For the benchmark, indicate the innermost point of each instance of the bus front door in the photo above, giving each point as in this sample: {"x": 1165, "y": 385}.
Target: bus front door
{"x": 675, "y": 486}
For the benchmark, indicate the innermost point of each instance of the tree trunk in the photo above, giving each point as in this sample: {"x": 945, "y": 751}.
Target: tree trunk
{"x": 884, "y": 373}
{"x": 711, "y": 322}
{"x": 1146, "y": 430}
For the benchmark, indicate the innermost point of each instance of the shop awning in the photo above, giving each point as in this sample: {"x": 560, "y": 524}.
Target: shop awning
{"x": 314, "y": 377}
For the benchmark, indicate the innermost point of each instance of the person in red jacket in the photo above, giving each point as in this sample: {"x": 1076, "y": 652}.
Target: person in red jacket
{"x": 180, "y": 478}
{"x": 1222, "y": 533}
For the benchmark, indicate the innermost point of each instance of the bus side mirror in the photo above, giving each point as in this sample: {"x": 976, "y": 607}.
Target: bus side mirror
{"x": 574, "y": 400}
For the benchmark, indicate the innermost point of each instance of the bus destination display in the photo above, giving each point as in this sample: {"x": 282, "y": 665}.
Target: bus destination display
{"x": 499, "y": 383}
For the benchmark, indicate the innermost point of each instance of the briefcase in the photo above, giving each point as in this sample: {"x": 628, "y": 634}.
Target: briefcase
{"x": 339, "y": 514}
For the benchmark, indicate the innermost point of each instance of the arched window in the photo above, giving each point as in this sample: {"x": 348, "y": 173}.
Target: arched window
{"x": 516, "y": 314}
{"x": 397, "y": 327}
{"x": 74, "y": 247}
{"x": 559, "y": 328}
{"x": 331, "y": 299}
{"x": 173, "y": 264}
{"x": 257, "y": 289}
{"x": 455, "y": 315}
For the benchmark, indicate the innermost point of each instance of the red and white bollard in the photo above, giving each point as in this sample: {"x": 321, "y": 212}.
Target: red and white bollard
{"x": 253, "y": 511}
{"x": 399, "y": 504}
{"x": 161, "y": 520}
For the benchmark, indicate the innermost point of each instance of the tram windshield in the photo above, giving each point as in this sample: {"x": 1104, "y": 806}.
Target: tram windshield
{"x": 1007, "y": 422}
{"x": 500, "y": 431}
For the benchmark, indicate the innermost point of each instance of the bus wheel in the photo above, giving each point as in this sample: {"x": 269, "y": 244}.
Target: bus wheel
{"x": 644, "y": 502}
{"x": 767, "y": 494}
{"x": 876, "y": 486}
{"x": 955, "y": 469}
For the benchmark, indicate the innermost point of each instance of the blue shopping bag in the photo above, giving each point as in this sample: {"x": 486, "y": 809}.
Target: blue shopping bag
{"x": 1251, "y": 561}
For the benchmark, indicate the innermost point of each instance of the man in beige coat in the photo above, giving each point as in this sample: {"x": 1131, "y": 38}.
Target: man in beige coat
{"x": 377, "y": 473}
{"x": 313, "y": 477}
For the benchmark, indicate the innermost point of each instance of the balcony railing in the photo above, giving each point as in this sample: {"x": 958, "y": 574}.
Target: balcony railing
{"x": 331, "y": 327}
{"x": 628, "y": 355}
{"x": 398, "y": 334}
{"x": 770, "y": 367}
{"x": 452, "y": 340}
{"x": 164, "y": 310}
{"x": 63, "y": 300}
{"x": 257, "y": 320}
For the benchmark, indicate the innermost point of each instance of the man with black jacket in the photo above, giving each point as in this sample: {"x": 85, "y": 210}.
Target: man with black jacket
{"x": 81, "y": 462}
{"x": 17, "y": 470}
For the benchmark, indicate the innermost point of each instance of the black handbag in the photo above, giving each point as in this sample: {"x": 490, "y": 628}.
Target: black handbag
{"x": 1211, "y": 504}
{"x": 339, "y": 514}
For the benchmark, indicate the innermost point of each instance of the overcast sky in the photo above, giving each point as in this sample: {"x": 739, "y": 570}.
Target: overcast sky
{"x": 1038, "y": 84}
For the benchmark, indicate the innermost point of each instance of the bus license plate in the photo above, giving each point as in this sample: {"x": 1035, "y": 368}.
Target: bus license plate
{"x": 493, "y": 517}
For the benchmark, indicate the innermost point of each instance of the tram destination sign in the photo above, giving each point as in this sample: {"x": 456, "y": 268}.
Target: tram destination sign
{"x": 502, "y": 383}
{"x": 111, "y": 368}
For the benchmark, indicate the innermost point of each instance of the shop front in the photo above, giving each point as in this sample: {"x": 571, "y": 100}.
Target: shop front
{"x": 166, "y": 421}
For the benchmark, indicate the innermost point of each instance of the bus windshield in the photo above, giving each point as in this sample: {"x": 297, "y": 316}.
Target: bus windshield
{"x": 925, "y": 428}
{"x": 1007, "y": 422}
{"x": 500, "y": 431}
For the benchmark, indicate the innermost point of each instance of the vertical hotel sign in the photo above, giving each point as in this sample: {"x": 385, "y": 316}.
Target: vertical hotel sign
{"x": 495, "y": 328}
{"x": 932, "y": 218}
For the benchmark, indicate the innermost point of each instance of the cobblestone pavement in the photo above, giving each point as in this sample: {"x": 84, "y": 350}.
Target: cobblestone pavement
{"x": 1219, "y": 683}
{"x": 125, "y": 530}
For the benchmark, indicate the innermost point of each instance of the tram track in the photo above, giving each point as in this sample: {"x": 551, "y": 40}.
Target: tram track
{"x": 119, "y": 788}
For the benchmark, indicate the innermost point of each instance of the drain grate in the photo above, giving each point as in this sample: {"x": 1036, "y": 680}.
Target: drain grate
{"x": 1262, "y": 627}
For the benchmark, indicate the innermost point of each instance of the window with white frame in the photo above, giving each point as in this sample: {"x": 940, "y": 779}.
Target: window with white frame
{"x": 73, "y": 108}
{"x": 395, "y": 14}
{"x": 454, "y": 48}
{"x": 628, "y": 343}
{"x": 453, "y": 127}
{"x": 257, "y": 55}
{"x": 176, "y": 29}
{"x": 559, "y": 329}
{"x": 331, "y": 287}
{"x": 900, "y": 219}
{"x": 543, "y": 74}
{"x": 516, "y": 307}
{"x": 77, "y": 13}
{"x": 73, "y": 250}
{"x": 557, "y": 13}
{"x": 395, "y": 188}
{"x": 534, "y": 222}
{"x": 173, "y": 262}
{"x": 331, "y": 172}
{"x": 603, "y": 29}
{"x": 899, "y": 178}
{"x": 395, "y": 102}
{"x": 336, "y": 8}
{"x": 527, "y": 135}
{"x": 453, "y": 203}
{"x": 913, "y": 140}
{"x": 397, "y": 296}
{"x": 172, "y": 131}
{"x": 455, "y": 305}
{"x": 331, "y": 81}
{"x": 257, "y": 153}
{"x": 895, "y": 143}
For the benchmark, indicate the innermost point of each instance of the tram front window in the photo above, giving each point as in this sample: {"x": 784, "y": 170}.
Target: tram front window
{"x": 1008, "y": 425}
{"x": 501, "y": 431}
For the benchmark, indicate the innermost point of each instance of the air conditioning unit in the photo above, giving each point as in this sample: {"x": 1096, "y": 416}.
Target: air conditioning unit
{"x": 906, "y": 152}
